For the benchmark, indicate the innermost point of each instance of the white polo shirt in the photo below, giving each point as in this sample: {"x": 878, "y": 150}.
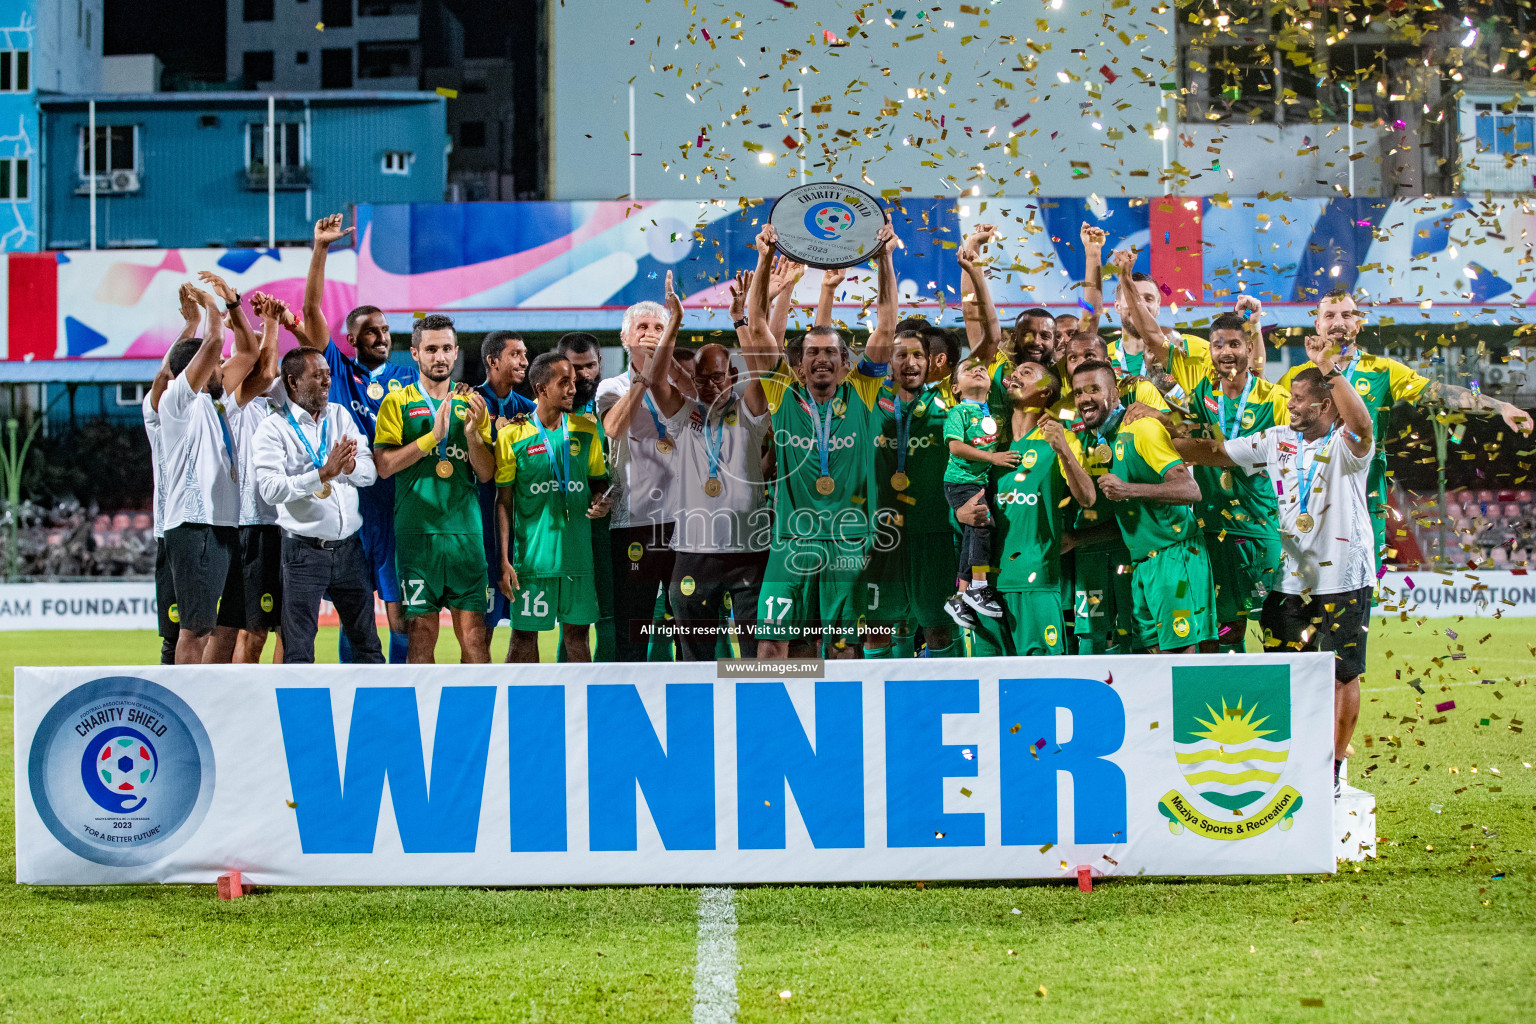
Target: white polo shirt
{"x": 199, "y": 449}
{"x": 1336, "y": 556}
{"x": 156, "y": 455}
{"x": 642, "y": 475}
{"x": 737, "y": 519}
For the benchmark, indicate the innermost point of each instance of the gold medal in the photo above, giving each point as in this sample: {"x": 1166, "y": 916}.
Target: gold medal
{"x": 324, "y": 491}
{"x": 1101, "y": 454}
{"x": 1226, "y": 479}
{"x": 1020, "y": 477}
{"x": 664, "y": 446}
{"x": 444, "y": 468}
{"x": 375, "y": 390}
{"x": 989, "y": 424}
{"x": 713, "y": 487}
{"x": 1305, "y": 522}
{"x": 899, "y": 481}
{"x": 501, "y": 421}
{"x": 825, "y": 485}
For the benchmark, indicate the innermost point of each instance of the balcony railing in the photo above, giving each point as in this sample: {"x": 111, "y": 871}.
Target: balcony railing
{"x": 288, "y": 177}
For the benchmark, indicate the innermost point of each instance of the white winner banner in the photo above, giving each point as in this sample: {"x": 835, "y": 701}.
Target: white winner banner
{"x": 574, "y": 774}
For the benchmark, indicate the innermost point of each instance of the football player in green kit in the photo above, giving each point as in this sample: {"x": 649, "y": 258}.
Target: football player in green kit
{"x": 824, "y": 428}
{"x": 1150, "y": 490}
{"x": 901, "y": 588}
{"x": 1032, "y": 521}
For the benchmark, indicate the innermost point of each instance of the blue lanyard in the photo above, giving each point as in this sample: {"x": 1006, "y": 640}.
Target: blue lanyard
{"x": 1305, "y": 476}
{"x": 561, "y": 467}
{"x": 650, "y": 407}
{"x": 442, "y": 446}
{"x": 1103, "y": 434}
{"x": 229, "y": 439}
{"x": 325, "y": 435}
{"x": 1349, "y": 371}
{"x": 713, "y": 440}
{"x": 1221, "y": 409}
{"x": 823, "y": 432}
{"x": 903, "y": 431}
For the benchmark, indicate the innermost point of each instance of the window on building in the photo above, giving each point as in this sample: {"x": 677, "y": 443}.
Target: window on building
{"x": 258, "y": 10}
{"x": 13, "y": 179}
{"x": 131, "y": 394}
{"x": 15, "y": 70}
{"x": 336, "y": 68}
{"x": 336, "y": 13}
{"x": 258, "y": 66}
{"x": 386, "y": 60}
{"x": 397, "y": 161}
{"x": 387, "y": 8}
{"x": 472, "y": 134}
{"x": 302, "y": 57}
{"x": 1504, "y": 130}
{"x": 117, "y": 148}
{"x": 287, "y": 144}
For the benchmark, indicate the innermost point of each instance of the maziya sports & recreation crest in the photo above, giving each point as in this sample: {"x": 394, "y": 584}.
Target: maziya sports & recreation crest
{"x": 121, "y": 771}
{"x": 1232, "y": 738}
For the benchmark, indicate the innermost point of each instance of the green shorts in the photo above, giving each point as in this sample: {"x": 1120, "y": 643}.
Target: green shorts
{"x": 1032, "y": 624}
{"x": 903, "y": 586}
{"x": 1174, "y": 605}
{"x": 1102, "y": 609}
{"x": 542, "y": 601}
{"x": 440, "y": 571}
{"x": 1244, "y": 571}
{"x": 813, "y": 589}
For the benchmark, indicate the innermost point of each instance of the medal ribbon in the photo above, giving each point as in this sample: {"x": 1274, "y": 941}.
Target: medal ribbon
{"x": 442, "y": 446}
{"x": 903, "y": 431}
{"x": 650, "y": 407}
{"x": 561, "y": 468}
{"x": 229, "y": 439}
{"x": 1349, "y": 371}
{"x": 1237, "y": 416}
{"x": 823, "y": 429}
{"x": 1101, "y": 436}
{"x": 713, "y": 441}
{"x": 325, "y": 438}
{"x": 1305, "y": 476}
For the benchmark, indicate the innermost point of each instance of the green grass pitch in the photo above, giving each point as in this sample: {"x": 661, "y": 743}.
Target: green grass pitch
{"x": 1441, "y": 928}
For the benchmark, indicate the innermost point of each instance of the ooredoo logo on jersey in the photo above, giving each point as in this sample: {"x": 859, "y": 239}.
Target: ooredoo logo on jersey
{"x": 121, "y": 771}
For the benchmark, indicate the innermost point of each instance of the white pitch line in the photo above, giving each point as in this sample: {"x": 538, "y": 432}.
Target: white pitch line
{"x": 714, "y": 976}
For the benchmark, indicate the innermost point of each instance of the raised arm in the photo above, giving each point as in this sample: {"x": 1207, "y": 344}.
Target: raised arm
{"x": 191, "y": 311}
{"x": 1252, "y": 309}
{"x": 1457, "y": 397}
{"x": 1202, "y": 451}
{"x": 201, "y": 367}
{"x": 260, "y": 379}
{"x": 759, "y": 347}
{"x": 246, "y": 348}
{"x": 831, "y": 280}
{"x": 1124, "y": 261}
{"x": 1178, "y": 487}
{"x": 781, "y": 289}
{"x": 882, "y": 340}
{"x": 1078, "y": 480}
{"x": 315, "y": 332}
{"x": 982, "y": 328}
{"x": 1351, "y": 407}
{"x": 482, "y": 457}
{"x": 648, "y": 367}
{"x": 665, "y": 394}
{"x": 1093, "y": 278}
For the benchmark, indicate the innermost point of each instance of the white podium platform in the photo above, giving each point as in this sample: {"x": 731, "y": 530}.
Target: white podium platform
{"x": 1354, "y": 821}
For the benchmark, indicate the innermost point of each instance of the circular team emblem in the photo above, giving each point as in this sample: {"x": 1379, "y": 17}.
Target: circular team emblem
{"x": 1248, "y": 416}
{"x": 1181, "y": 625}
{"x": 827, "y": 224}
{"x": 1030, "y": 457}
{"x": 1120, "y": 450}
{"x": 121, "y": 771}
{"x": 636, "y": 551}
{"x": 266, "y": 602}
{"x": 460, "y": 411}
{"x": 1050, "y": 636}
{"x": 174, "y": 614}
{"x": 394, "y": 385}
{"x": 687, "y": 586}
{"x": 1363, "y": 386}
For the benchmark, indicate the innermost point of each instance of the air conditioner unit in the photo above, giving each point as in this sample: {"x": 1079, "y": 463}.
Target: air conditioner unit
{"x": 124, "y": 181}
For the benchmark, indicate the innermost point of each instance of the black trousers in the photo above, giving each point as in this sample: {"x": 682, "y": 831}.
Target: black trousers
{"x": 340, "y": 571}
{"x": 975, "y": 541}
{"x": 165, "y": 601}
{"x": 642, "y": 567}
{"x": 700, "y": 585}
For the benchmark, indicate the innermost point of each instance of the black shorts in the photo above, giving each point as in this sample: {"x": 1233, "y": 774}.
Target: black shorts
{"x": 205, "y": 573}
{"x": 1321, "y": 622}
{"x": 261, "y": 581}
{"x": 165, "y": 592}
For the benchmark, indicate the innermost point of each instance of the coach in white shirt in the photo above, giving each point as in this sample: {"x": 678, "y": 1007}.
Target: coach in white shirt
{"x": 644, "y": 460}
{"x": 1318, "y": 464}
{"x": 309, "y": 462}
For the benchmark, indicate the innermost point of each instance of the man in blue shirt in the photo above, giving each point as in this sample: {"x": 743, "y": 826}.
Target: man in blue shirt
{"x": 359, "y": 384}
{"x": 506, "y": 365}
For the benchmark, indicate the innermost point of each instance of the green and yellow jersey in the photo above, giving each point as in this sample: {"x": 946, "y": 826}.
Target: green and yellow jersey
{"x": 1032, "y": 515}
{"x": 1232, "y": 500}
{"x": 998, "y": 370}
{"x": 426, "y": 503}
{"x": 921, "y": 503}
{"x": 1381, "y": 383}
{"x": 1136, "y": 362}
{"x": 1142, "y": 454}
{"x": 550, "y": 472}
{"x": 801, "y": 510}
{"x": 973, "y": 423}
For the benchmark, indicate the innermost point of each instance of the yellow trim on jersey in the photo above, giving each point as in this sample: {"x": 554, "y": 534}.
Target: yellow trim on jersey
{"x": 1153, "y": 444}
{"x": 1195, "y": 346}
{"x": 778, "y": 386}
{"x": 1405, "y": 383}
{"x": 525, "y": 427}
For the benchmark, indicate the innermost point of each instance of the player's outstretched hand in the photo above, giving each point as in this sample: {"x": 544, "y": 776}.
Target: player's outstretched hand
{"x": 328, "y": 230}
{"x": 1516, "y": 417}
{"x": 975, "y": 512}
{"x": 739, "y": 291}
{"x": 1093, "y": 237}
{"x": 508, "y": 581}
{"x": 1135, "y": 411}
{"x": 1007, "y": 459}
{"x": 1248, "y": 304}
{"x": 1124, "y": 261}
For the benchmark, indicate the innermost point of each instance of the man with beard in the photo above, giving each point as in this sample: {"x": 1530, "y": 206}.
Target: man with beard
{"x": 824, "y": 427}
{"x": 1150, "y": 490}
{"x": 1131, "y": 351}
{"x": 202, "y": 506}
{"x": 902, "y": 588}
{"x": 310, "y": 462}
{"x": 438, "y": 443}
{"x": 1319, "y": 464}
{"x": 553, "y": 482}
{"x": 1381, "y": 383}
{"x": 718, "y": 495}
{"x": 1032, "y": 521}
{"x": 359, "y": 384}
{"x": 644, "y": 465}
{"x": 506, "y": 364}
{"x": 582, "y": 351}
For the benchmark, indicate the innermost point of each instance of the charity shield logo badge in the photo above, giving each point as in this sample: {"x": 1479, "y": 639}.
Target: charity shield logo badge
{"x": 828, "y": 220}
{"x": 1232, "y": 738}
{"x": 121, "y": 771}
